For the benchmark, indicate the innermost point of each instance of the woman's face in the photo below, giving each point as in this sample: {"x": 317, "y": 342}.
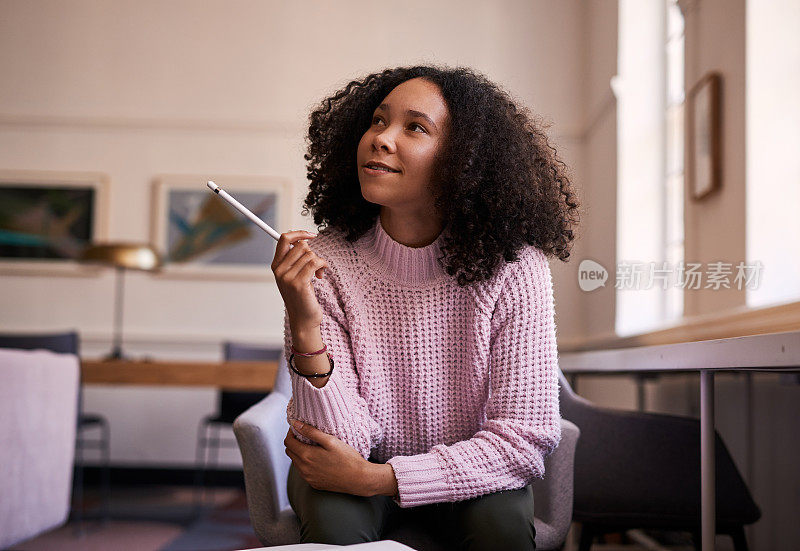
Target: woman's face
{"x": 407, "y": 131}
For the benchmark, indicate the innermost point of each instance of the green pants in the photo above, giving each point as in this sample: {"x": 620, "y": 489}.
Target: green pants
{"x": 503, "y": 520}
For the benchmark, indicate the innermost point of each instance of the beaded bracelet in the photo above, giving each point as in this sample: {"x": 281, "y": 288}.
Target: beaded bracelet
{"x": 313, "y": 375}
{"x": 320, "y": 351}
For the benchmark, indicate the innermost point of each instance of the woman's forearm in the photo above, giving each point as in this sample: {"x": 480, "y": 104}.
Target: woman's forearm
{"x": 383, "y": 480}
{"x": 310, "y": 340}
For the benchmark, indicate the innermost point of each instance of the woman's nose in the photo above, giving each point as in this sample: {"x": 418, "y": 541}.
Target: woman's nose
{"x": 384, "y": 140}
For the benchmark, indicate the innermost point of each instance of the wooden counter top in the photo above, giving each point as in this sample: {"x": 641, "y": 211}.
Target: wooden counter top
{"x": 233, "y": 375}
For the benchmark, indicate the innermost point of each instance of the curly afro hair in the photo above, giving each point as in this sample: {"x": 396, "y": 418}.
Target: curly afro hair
{"x": 499, "y": 185}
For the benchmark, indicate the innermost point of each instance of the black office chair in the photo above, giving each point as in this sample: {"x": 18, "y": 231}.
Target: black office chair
{"x": 229, "y": 406}
{"x": 642, "y": 470}
{"x": 67, "y": 343}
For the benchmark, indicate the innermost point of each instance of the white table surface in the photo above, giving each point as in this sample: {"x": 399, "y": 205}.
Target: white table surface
{"x": 768, "y": 352}
{"x": 383, "y": 545}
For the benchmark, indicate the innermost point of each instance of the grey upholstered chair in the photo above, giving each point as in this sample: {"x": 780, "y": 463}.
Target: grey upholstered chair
{"x": 261, "y": 430}
{"x": 38, "y": 408}
{"x": 68, "y": 343}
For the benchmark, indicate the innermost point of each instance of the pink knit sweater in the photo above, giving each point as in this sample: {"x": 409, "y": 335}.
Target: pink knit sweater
{"x": 456, "y": 388}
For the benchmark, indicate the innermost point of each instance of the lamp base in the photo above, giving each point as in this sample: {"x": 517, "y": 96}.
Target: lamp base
{"x": 116, "y": 355}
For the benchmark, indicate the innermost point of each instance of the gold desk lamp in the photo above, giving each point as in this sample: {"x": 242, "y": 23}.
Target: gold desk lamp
{"x": 121, "y": 256}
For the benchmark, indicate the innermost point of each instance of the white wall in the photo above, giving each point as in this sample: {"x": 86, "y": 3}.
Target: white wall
{"x": 138, "y": 89}
{"x": 714, "y": 228}
{"x": 582, "y": 313}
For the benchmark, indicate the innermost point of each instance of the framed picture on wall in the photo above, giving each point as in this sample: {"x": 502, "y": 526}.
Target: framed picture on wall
{"x": 200, "y": 235}
{"x": 704, "y": 127}
{"x": 47, "y": 218}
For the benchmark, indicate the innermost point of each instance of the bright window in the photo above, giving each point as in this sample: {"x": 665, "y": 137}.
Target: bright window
{"x": 673, "y": 175}
{"x": 773, "y": 150}
{"x": 650, "y": 92}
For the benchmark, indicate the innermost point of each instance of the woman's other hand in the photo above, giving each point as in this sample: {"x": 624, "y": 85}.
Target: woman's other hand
{"x": 294, "y": 267}
{"x": 335, "y": 466}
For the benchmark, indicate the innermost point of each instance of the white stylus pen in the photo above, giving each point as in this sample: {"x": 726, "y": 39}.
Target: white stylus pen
{"x": 241, "y": 208}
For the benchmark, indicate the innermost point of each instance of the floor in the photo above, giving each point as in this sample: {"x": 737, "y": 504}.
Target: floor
{"x": 155, "y": 518}
{"x": 166, "y": 518}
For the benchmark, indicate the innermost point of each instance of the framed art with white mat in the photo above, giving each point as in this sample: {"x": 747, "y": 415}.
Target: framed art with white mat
{"x": 201, "y": 236}
{"x": 47, "y": 219}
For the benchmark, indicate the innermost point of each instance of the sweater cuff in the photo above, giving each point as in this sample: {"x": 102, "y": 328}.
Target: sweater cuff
{"x": 420, "y": 480}
{"x": 324, "y": 405}
{"x": 331, "y": 410}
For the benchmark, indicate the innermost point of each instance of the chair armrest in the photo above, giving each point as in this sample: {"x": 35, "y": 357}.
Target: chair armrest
{"x": 553, "y": 495}
{"x": 260, "y": 432}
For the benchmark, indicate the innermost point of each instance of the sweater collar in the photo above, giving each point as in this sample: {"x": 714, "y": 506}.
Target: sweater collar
{"x": 402, "y": 264}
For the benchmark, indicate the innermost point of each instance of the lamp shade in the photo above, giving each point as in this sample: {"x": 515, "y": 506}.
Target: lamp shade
{"x": 132, "y": 256}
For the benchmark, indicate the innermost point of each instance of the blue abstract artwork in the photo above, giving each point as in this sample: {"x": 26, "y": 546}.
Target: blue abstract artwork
{"x": 203, "y": 229}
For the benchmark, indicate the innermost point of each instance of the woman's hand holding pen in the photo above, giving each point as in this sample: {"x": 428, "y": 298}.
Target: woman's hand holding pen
{"x": 294, "y": 267}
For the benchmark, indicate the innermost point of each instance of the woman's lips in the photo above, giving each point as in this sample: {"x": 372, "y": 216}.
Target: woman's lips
{"x": 377, "y": 171}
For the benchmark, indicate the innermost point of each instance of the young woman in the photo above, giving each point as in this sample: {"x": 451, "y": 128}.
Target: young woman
{"x": 419, "y": 323}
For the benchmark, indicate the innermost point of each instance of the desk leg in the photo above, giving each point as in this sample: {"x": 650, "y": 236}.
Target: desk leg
{"x": 749, "y": 431}
{"x": 707, "y": 449}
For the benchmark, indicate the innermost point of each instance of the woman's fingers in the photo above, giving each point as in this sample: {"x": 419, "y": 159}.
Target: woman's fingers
{"x": 300, "y": 249}
{"x": 315, "y": 265}
{"x": 292, "y": 255}
{"x": 302, "y": 270}
{"x": 285, "y": 244}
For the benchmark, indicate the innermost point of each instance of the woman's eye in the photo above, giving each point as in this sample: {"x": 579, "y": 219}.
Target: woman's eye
{"x": 415, "y": 127}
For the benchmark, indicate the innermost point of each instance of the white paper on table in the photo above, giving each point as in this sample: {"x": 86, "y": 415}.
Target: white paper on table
{"x": 383, "y": 545}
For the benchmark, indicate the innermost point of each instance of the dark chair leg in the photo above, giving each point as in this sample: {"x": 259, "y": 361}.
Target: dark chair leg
{"x": 106, "y": 451}
{"x": 214, "y": 457}
{"x": 200, "y": 467}
{"x": 587, "y": 537}
{"x": 77, "y": 485}
{"x": 739, "y": 539}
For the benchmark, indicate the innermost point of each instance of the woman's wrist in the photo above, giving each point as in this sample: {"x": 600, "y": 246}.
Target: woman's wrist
{"x": 308, "y": 339}
{"x": 383, "y": 481}
{"x": 305, "y": 336}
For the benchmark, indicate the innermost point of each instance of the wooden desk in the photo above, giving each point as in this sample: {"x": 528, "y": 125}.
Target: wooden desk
{"x": 250, "y": 376}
